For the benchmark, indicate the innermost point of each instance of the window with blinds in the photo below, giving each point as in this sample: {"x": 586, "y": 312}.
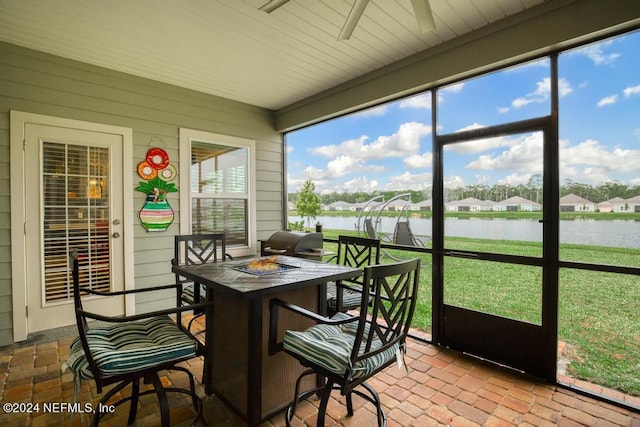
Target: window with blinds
{"x": 75, "y": 204}
{"x": 219, "y": 190}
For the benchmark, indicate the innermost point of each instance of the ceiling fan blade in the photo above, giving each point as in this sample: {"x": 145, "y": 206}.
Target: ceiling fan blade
{"x": 272, "y": 5}
{"x": 352, "y": 19}
{"x": 424, "y": 15}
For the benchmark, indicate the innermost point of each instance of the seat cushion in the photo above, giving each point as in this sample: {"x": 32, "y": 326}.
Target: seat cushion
{"x": 350, "y": 299}
{"x": 188, "y": 294}
{"x": 128, "y": 347}
{"x": 330, "y": 346}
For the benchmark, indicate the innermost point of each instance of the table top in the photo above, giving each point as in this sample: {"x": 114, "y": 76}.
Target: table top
{"x": 227, "y": 277}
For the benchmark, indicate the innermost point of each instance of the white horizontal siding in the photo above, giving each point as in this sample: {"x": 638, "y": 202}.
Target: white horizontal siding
{"x": 35, "y": 82}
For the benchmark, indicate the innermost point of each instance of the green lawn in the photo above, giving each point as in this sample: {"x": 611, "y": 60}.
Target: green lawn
{"x": 599, "y": 313}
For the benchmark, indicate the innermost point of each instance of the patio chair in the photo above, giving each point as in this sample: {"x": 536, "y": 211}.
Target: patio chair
{"x": 347, "y": 350}
{"x": 403, "y": 235}
{"x": 353, "y": 252}
{"x": 196, "y": 249}
{"x": 123, "y": 350}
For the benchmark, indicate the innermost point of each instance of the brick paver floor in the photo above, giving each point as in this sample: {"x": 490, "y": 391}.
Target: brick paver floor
{"x": 441, "y": 388}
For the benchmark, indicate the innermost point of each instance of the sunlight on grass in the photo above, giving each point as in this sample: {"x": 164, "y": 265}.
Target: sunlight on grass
{"x": 599, "y": 313}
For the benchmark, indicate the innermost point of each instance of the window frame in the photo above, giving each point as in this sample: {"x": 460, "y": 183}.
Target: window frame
{"x": 187, "y": 136}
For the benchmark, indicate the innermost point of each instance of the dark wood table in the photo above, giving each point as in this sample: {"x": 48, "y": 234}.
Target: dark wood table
{"x": 237, "y": 366}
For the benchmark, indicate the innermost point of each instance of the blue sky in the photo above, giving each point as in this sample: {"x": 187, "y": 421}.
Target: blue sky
{"x": 389, "y": 147}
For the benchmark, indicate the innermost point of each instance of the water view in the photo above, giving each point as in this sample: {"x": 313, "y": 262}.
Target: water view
{"x": 613, "y": 233}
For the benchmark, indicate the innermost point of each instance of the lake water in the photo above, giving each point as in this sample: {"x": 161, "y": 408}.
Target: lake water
{"x": 615, "y": 233}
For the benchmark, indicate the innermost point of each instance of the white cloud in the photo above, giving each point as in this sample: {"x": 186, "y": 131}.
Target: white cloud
{"x": 333, "y": 150}
{"x": 454, "y": 88}
{"x": 503, "y": 110}
{"x": 515, "y": 179}
{"x": 408, "y": 181}
{"x": 340, "y": 166}
{"x": 596, "y": 53}
{"x": 311, "y": 172}
{"x": 404, "y": 142}
{"x": 542, "y": 92}
{"x": 630, "y": 91}
{"x": 479, "y": 145}
{"x": 357, "y": 184}
{"x": 608, "y": 100}
{"x": 418, "y": 101}
{"x": 523, "y": 156}
{"x": 453, "y": 181}
{"x": 592, "y": 154}
{"x": 416, "y": 161}
{"x": 472, "y": 126}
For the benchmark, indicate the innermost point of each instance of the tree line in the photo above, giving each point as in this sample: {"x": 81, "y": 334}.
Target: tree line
{"x": 532, "y": 190}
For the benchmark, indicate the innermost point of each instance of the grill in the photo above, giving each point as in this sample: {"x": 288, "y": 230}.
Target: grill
{"x": 292, "y": 243}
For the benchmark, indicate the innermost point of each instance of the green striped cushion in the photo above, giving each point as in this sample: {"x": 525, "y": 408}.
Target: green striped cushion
{"x": 350, "y": 299}
{"x": 188, "y": 294}
{"x": 129, "y": 347}
{"x": 329, "y": 346}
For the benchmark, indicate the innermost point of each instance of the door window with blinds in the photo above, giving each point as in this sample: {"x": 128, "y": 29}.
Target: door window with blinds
{"x": 220, "y": 183}
{"x": 75, "y": 202}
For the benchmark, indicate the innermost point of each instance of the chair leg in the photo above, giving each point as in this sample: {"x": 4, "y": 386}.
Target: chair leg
{"x": 195, "y": 400}
{"x": 322, "y": 409}
{"x": 349, "y": 405}
{"x": 296, "y": 397}
{"x": 162, "y": 399}
{"x": 192, "y": 319}
{"x": 135, "y": 393}
{"x": 105, "y": 398}
{"x": 382, "y": 418}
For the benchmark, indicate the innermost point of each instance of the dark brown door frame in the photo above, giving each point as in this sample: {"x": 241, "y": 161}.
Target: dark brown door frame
{"x": 524, "y": 346}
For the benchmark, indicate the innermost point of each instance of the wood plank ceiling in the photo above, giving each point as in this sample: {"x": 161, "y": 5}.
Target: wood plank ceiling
{"x": 231, "y": 49}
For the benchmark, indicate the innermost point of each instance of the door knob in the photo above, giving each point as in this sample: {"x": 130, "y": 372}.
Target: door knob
{"x": 115, "y": 235}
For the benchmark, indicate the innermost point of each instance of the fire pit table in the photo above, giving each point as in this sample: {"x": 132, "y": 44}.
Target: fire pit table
{"x": 237, "y": 366}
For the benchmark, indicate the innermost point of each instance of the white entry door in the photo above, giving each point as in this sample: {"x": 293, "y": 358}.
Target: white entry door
{"x": 73, "y": 201}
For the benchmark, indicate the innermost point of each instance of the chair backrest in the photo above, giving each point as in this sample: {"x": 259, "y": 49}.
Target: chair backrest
{"x": 403, "y": 235}
{"x": 385, "y": 321}
{"x": 199, "y": 248}
{"x": 358, "y": 252}
{"x": 369, "y": 229}
{"x": 81, "y": 320}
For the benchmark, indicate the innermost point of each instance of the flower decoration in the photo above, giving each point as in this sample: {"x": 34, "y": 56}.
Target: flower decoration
{"x": 156, "y": 213}
{"x": 157, "y": 164}
{"x": 157, "y": 158}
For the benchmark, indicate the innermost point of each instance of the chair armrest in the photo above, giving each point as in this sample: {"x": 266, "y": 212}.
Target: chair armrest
{"x": 147, "y": 315}
{"x": 275, "y": 304}
{"x": 131, "y": 291}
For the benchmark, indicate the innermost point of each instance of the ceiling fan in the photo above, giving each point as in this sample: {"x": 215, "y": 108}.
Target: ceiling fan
{"x": 421, "y": 8}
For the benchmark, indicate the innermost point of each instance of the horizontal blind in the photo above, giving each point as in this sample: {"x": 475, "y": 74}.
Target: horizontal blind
{"x": 219, "y": 190}
{"x": 75, "y": 204}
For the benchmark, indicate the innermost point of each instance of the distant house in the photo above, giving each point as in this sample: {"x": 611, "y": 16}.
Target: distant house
{"x": 396, "y": 205}
{"x": 425, "y": 205}
{"x": 617, "y": 204}
{"x": 633, "y": 204}
{"x": 291, "y": 206}
{"x": 573, "y": 203}
{"x": 470, "y": 204}
{"x": 339, "y": 206}
{"x": 517, "y": 204}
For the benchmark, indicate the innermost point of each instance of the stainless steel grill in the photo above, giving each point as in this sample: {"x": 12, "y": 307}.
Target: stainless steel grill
{"x": 292, "y": 243}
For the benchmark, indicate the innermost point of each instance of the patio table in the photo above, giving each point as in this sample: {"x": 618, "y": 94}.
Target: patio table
{"x": 237, "y": 366}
